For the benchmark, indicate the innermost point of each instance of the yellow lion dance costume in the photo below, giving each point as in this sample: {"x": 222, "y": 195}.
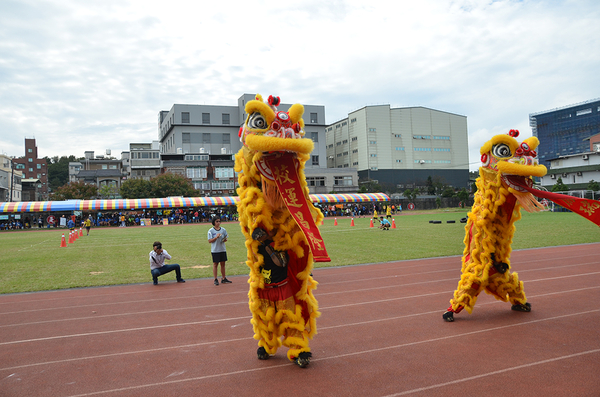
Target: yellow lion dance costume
{"x": 279, "y": 223}
{"x": 490, "y": 226}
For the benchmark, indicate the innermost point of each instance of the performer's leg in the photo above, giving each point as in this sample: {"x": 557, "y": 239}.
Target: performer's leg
{"x": 265, "y": 329}
{"x": 292, "y": 325}
{"x": 507, "y": 287}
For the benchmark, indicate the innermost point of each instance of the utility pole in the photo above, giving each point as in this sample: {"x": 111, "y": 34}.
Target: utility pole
{"x": 12, "y": 179}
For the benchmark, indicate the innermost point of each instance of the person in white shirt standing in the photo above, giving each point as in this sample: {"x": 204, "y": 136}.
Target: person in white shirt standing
{"x": 158, "y": 266}
{"x": 217, "y": 236}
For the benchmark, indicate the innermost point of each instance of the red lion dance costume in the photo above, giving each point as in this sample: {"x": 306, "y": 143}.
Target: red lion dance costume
{"x": 279, "y": 223}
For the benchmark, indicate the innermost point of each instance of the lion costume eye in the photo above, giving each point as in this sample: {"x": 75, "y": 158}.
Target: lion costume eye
{"x": 501, "y": 151}
{"x": 257, "y": 121}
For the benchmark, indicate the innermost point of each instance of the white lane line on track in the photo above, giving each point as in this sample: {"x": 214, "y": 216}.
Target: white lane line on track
{"x": 501, "y": 371}
{"x": 145, "y": 301}
{"x": 248, "y": 318}
{"x": 363, "y": 353}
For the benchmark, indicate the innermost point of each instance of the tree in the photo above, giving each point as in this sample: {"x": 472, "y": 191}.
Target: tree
{"x": 593, "y": 186}
{"x": 166, "y": 185}
{"x": 108, "y": 192}
{"x": 410, "y": 194}
{"x": 58, "y": 170}
{"x": 559, "y": 186}
{"x": 448, "y": 192}
{"x": 370, "y": 187}
{"x": 430, "y": 187}
{"x": 464, "y": 196}
{"x": 136, "y": 189}
{"x": 75, "y": 190}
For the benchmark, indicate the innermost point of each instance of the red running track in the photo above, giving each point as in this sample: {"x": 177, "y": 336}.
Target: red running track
{"x": 381, "y": 333}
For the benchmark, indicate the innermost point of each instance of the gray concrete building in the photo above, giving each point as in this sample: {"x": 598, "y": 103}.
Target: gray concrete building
{"x": 193, "y": 138}
{"x": 401, "y": 147}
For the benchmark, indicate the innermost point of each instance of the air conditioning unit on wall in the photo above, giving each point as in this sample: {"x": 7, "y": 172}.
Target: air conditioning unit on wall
{"x": 579, "y": 174}
{"x": 552, "y": 176}
{"x": 585, "y": 157}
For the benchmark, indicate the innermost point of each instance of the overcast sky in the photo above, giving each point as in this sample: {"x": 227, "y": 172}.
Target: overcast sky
{"x": 93, "y": 75}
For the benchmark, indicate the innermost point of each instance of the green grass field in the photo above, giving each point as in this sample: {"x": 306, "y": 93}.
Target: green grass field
{"x": 34, "y": 261}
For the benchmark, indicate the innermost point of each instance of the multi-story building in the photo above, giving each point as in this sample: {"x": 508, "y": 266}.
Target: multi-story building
{"x": 401, "y": 147}
{"x": 575, "y": 170}
{"x": 143, "y": 160}
{"x": 211, "y": 174}
{"x": 100, "y": 170}
{"x": 565, "y": 131}
{"x": 195, "y": 138}
{"x": 33, "y": 167}
{"x": 10, "y": 180}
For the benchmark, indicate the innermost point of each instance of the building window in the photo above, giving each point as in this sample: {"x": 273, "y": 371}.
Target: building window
{"x": 186, "y": 137}
{"x": 441, "y": 150}
{"x": 372, "y": 142}
{"x": 30, "y": 160}
{"x": 313, "y": 118}
{"x": 397, "y": 135}
{"x": 196, "y": 172}
{"x": 355, "y": 151}
{"x": 400, "y": 148}
{"x": 227, "y": 139}
{"x": 314, "y": 136}
{"x": 372, "y": 129}
{"x": 584, "y": 111}
{"x": 104, "y": 166}
{"x": 315, "y": 181}
{"x": 223, "y": 172}
{"x": 205, "y": 118}
{"x": 225, "y": 118}
{"x": 354, "y": 138}
{"x": 353, "y": 120}
{"x": 373, "y": 168}
{"x": 185, "y": 117}
{"x": 355, "y": 163}
{"x": 31, "y": 170}
{"x": 30, "y": 150}
{"x": 422, "y": 149}
{"x": 342, "y": 180}
{"x": 39, "y": 166}
{"x": 315, "y": 160}
{"x": 373, "y": 155}
{"x": 345, "y": 141}
{"x": 447, "y": 138}
{"x": 205, "y": 137}
{"x": 20, "y": 166}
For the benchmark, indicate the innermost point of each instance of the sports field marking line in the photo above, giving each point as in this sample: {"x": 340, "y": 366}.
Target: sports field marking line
{"x": 347, "y": 355}
{"x": 245, "y": 302}
{"x": 33, "y": 245}
{"x": 244, "y": 291}
{"x": 501, "y": 371}
{"x": 247, "y": 318}
{"x": 249, "y": 338}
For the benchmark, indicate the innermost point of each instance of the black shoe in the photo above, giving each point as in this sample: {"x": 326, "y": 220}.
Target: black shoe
{"x": 181, "y": 280}
{"x": 262, "y": 353}
{"x": 521, "y": 308}
{"x": 155, "y": 281}
{"x": 448, "y": 316}
{"x": 225, "y": 281}
{"x": 303, "y": 359}
{"x": 216, "y": 282}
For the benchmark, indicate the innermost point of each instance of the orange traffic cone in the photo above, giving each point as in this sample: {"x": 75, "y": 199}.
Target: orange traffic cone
{"x": 63, "y": 242}
{"x": 352, "y": 223}
{"x": 335, "y": 222}
{"x": 393, "y": 223}
{"x": 371, "y": 223}
{"x": 70, "y": 237}
{"x": 81, "y": 232}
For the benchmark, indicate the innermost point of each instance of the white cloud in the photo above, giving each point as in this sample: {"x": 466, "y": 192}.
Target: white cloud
{"x": 94, "y": 75}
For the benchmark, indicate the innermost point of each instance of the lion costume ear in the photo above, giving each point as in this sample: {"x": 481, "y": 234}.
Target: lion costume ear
{"x": 533, "y": 142}
{"x": 296, "y": 112}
